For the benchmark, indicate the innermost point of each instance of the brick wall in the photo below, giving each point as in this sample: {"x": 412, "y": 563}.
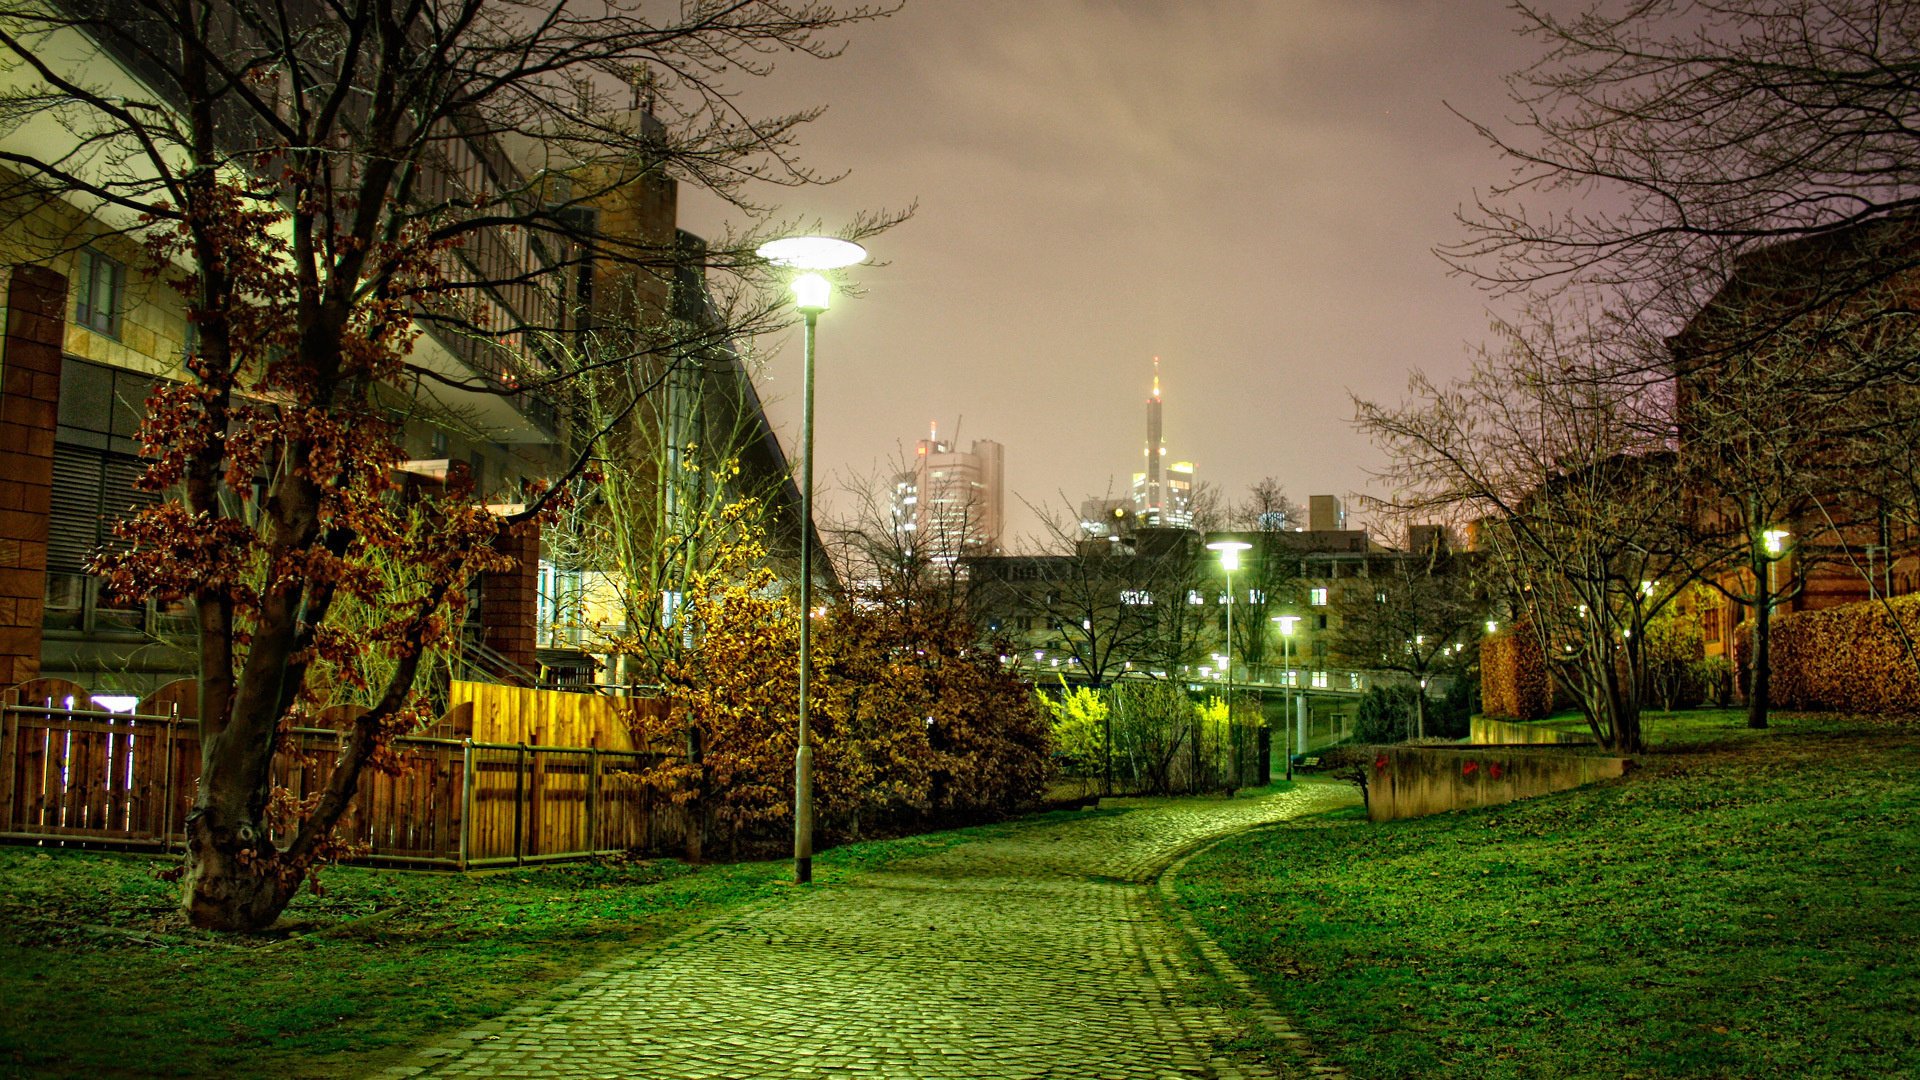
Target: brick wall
{"x": 29, "y": 408}
{"x": 510, "y": 600}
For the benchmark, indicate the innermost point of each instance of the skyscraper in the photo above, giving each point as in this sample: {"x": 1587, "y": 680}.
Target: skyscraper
{"x": 952, "y": 503}
{"x": 1163, "y": 494}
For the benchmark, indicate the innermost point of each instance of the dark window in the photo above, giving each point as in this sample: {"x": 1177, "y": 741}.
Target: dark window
{"x": 99, "y": 293}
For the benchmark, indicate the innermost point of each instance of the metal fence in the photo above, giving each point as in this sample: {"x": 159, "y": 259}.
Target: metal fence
{"x": 127, "y": 780}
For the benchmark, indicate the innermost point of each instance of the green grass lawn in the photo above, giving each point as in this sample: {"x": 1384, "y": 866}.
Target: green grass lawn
{"x": 99, "y": 976}
{"x": 1744, "y": 904}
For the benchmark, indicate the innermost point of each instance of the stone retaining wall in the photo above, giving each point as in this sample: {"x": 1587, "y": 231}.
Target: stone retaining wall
{"x": 1405, "y": 782}
{"x": 1485, "y": 732}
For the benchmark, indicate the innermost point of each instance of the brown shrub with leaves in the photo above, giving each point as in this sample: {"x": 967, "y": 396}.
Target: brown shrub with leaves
{"x": 1850, "y": 658}
{"x": 1513, "y": 676}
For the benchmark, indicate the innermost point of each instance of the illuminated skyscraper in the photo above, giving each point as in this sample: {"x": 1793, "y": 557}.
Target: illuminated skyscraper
{"x": 1163, "y": 494}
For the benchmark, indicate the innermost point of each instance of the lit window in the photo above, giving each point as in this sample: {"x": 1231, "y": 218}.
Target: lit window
{"x": 1320, "y": 679}
{"x": 99, "y": 293}
{"x": 1317, "y": 597}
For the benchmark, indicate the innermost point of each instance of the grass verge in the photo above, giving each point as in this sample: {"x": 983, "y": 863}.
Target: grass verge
{"x": 99, "y": 976}
{"x": 1744, "y": 904}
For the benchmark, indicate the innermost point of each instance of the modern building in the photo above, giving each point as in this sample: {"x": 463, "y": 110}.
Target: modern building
{"x": 91, "y": 330}
{"x": 952, "y": 504}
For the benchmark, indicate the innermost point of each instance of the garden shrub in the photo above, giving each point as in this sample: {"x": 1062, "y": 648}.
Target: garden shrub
{"x": 1850, "y": 658}
{"x": 1385, "y": 714}
{"x": 1514, "y": 684}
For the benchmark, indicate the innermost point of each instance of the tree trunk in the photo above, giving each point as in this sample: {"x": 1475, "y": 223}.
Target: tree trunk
{"x": 226, "y": 886}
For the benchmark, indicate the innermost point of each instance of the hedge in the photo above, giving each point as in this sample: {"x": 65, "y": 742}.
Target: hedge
{"x": 1848, "y": 658}
{"x": 1513, "y": 677}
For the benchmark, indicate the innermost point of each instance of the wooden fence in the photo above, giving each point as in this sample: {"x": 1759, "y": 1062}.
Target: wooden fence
{"x": 75, "y": 774}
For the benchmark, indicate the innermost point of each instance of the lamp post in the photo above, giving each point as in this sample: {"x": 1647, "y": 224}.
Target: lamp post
{"x": 1229, "y": 552}
{"x": 1286, "y": 653}
{"x": 811, "y": 294}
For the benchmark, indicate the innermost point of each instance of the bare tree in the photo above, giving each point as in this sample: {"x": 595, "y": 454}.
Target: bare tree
{"x": 1557, "y": 449}
{"x": 1419, "y": 616}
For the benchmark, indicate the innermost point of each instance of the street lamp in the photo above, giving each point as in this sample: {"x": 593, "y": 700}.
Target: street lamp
{"x": 811, "y": 294}
{"x": 1229, "y": 552}
{"x": 1286, "y": 654}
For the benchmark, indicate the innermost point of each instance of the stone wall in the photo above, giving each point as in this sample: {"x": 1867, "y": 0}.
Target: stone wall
{"x": 1405, "y": 782}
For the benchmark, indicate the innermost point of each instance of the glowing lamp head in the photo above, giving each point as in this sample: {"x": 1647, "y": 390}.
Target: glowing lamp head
{"x": 1286, "y": 624}
{"x": 811, "y": 293}
{"x": 1775, "y": 540}
{"x": 1229, "y": 552}
{"x": 1493, "y": 627}
{"x": 812, "y": 252}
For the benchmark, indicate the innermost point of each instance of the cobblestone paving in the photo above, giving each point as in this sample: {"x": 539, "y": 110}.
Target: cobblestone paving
{"x": 1039, "y": 953}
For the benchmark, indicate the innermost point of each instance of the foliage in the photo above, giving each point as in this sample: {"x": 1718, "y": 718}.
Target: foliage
{"x": 1079, "y": 717}
{"x": 1385, "y": 714}
{"x": 911, "y": 718}
{"x": 1659, "y": 926}
{"x": 1514, "y": 684}
{"x": 1153, "y": 721}
{"x": 1715, "y": 675}
{"x": 1675, "y": 654}
{"x": 1854, "y": 658}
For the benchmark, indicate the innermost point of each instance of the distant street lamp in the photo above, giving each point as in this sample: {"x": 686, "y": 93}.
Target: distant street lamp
{"x": 1286, "y": 653}
{"x": 1229, "y": 552}
{"x": 811, "y": 294}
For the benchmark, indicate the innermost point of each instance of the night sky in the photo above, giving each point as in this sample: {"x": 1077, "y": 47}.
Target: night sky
{"x": 1249, "y": 190}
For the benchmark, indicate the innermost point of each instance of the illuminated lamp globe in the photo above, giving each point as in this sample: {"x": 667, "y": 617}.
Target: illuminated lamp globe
{"x": 1229, "y": 552}
{"x": 812, "y": 252}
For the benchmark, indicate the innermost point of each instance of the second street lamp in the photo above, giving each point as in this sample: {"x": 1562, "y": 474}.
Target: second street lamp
{"x": 811, "y": 294}
{"x": 1287, "y": 654}
{"x": 1229, "y": 552}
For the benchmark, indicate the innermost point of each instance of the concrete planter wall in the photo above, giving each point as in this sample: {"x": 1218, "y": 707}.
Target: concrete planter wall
{"x": 1406, "y": 782}
{"x": 1500, "y": 732}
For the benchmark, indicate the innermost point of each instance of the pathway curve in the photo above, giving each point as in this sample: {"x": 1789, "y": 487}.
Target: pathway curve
{"x": 1042, "y": 952}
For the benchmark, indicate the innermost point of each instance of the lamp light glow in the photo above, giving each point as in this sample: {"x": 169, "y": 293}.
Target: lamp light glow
{"x": 1229, "y": 552}
{"x": 812, "y": 252}
{"x": 1775, "y": 540}
{"x": 811, "y": 293}
{"x": 1286, "y": 623}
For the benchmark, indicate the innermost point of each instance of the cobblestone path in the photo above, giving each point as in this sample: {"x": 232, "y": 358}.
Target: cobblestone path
{"x": 1039, "y": 953}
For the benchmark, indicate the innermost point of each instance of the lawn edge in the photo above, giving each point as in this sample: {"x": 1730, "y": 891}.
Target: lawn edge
{"x": 1255, "y": 1003}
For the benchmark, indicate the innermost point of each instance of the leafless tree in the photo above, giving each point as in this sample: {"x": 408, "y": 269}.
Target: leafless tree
{"x": 1557, "y": 449}
{"x": 1419, "y": 615}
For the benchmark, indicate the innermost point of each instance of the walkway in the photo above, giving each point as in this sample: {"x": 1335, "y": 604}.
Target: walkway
{"x": 1040, "y": 953}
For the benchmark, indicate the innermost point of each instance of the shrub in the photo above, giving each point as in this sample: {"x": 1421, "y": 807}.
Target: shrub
{"x": 1078, "y": 716}
{"x": 1451, "y": 717}
{"x": 1715, "y": 676}
{"x": 1385, "y": 714}
{"x": 1850, "y": 658}
{"x": 1514, "y": 683}
{"x": 913, "y": 720}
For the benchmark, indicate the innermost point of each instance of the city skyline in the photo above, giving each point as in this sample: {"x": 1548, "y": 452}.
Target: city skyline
{"x": 1096, "y": 188}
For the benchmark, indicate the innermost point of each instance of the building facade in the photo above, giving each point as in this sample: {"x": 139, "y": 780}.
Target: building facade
{"x": 952, "y": 504}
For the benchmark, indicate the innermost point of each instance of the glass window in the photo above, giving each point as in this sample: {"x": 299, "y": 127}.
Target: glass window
{"x": 1317, "y": 597}
{"x": 99, "y": 293}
